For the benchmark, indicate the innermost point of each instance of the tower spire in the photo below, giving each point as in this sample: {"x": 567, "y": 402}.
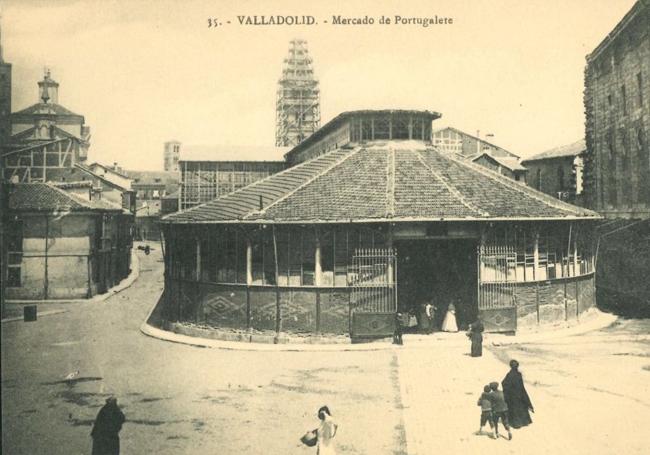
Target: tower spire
{"x": 298, "y": 99}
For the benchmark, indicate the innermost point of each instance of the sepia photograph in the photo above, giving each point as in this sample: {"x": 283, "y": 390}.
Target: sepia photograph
{"x": 307, "y": 227}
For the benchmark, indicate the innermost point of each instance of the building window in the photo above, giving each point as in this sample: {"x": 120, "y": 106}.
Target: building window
{"x": 539, "y": 179}
{"x": 623, "y": 100}
{"x": 609, "y": 100}
{"x": 560, "y": 178}
{"x": 639, "y": 86}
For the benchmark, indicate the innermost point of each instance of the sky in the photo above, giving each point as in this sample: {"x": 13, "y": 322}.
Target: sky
{"x": 144, "y": 72}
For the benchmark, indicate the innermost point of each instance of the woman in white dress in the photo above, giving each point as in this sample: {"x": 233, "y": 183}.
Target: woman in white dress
{"x": 326, "y": 432}
{"x": 449, "y": 324}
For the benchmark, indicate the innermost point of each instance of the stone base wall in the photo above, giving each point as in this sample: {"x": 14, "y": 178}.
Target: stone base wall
{"x": 301, "y": 310}
{"x": 549, "y": 302}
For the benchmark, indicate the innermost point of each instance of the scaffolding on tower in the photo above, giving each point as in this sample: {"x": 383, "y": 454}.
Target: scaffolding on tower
{"x": 298, "y": 98}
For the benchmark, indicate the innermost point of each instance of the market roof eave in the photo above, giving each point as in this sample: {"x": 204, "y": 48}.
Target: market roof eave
{"x": 258, "y": 221}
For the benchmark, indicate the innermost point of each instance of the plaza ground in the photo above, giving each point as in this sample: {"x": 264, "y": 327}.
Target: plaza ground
{"x": 590, "y": 391}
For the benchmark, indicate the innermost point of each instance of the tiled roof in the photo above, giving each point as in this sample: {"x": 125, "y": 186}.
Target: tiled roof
{"x": 45, "y": 108}
{"x": 49, "y": 198}
{"x": 511, "y": 163}
{"x": 574, "y": 149}
{"x": 380, "y": 181}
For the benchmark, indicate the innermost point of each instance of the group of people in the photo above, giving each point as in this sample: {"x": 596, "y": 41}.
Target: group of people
{"x": 509, "y": 406}
{"x": 425, "y": 320}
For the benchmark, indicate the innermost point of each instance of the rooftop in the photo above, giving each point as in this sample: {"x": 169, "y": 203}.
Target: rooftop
{"x": 45, "y": 197}
{"x": 382, "y": 181}
{"x": 511, "y": 163}
{"x": 573, "y": 149}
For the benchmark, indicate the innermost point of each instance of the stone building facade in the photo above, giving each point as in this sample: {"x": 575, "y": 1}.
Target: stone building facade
{"x": 559, "y": 172}
{"x": 5, "y": 97}
{"x": 617, "y": 106}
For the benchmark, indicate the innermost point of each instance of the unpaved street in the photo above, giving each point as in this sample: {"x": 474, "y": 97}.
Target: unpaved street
{"x": 590, "y": 391}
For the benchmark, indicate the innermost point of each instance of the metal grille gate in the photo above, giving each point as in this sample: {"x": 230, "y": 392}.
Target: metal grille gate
{"x": 372, "y": 278}
{"x": 497, "y": 298}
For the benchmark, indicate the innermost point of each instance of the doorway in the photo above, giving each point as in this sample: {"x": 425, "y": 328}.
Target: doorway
{"x": 439, "y": 272}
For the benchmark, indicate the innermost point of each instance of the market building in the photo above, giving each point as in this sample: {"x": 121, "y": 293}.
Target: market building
{"x": 371, "y": 218}
{"x": 62, "y": 244}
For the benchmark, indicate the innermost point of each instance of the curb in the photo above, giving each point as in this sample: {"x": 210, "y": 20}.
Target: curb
{"x": 122, "y": 285}
{"x": 165, "y": 335}
{"x": 597, "y": 320}
{"x": 44, "y": 313}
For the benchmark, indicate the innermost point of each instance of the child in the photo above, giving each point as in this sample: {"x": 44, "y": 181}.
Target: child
{"x": 486, "y": 410}
{"x": 499, "y": 409}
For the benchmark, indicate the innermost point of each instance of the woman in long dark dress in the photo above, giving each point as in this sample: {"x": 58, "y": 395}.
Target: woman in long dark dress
{"x": 105, "y": 432}
{"x": 476, "y": 335}
{"x": 516, "y": 397}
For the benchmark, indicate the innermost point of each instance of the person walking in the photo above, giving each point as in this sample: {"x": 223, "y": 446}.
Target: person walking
{"x": 449, "y": 324}
{"x": 105, "y": 432}
{"x": 516, "y": 397}
{"x": 326, "y": 432}
{"x": 499, "y": 409}
{"x": 475, "y": 334}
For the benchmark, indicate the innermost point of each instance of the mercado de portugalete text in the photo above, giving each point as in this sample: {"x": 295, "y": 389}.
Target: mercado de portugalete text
{"x": 393, "y": 20}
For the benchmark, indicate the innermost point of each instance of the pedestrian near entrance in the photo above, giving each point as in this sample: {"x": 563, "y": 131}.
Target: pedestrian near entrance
{"x": 105, "y": 432}
{"x": 499, "y": 409}
{"x": 449, "y": 324}
{"x": 326, "y": 432}
{"x": 516, "y": 397}
{"x": 475, "y": 334}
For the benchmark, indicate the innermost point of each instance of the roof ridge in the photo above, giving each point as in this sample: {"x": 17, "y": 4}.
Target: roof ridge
{"x": 340, "y": 161}
{"x": 390, "y": 183}
{"x": 449, "y": 187}
{"x": 524, "y": 189}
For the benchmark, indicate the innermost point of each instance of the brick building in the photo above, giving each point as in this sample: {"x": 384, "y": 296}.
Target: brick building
{"x": 369, "y": 218}
{"x": 558, "y": 172}
{"x": 617, "y": 106}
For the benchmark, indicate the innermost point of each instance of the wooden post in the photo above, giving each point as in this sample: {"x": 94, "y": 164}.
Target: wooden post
{"x": 278, "y": 312}
{"x": 536, "y": 254}
{"x": 198, "y": 259}
{"x": 576, "y": 266}
{"x": 47, "y": 241}
{"x": 249, "y": 261}
{"x": 318, "y": 270}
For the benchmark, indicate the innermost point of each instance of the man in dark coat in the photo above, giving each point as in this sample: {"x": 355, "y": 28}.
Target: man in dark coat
{"x": 475, "y": 334}
{"x": 105, "y": 433}
{"x": 516, "y": 397}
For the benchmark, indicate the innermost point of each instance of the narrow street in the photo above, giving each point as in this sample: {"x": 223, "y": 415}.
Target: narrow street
{"x": 177, "y": 398}
{"x": 590, "y": 391}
